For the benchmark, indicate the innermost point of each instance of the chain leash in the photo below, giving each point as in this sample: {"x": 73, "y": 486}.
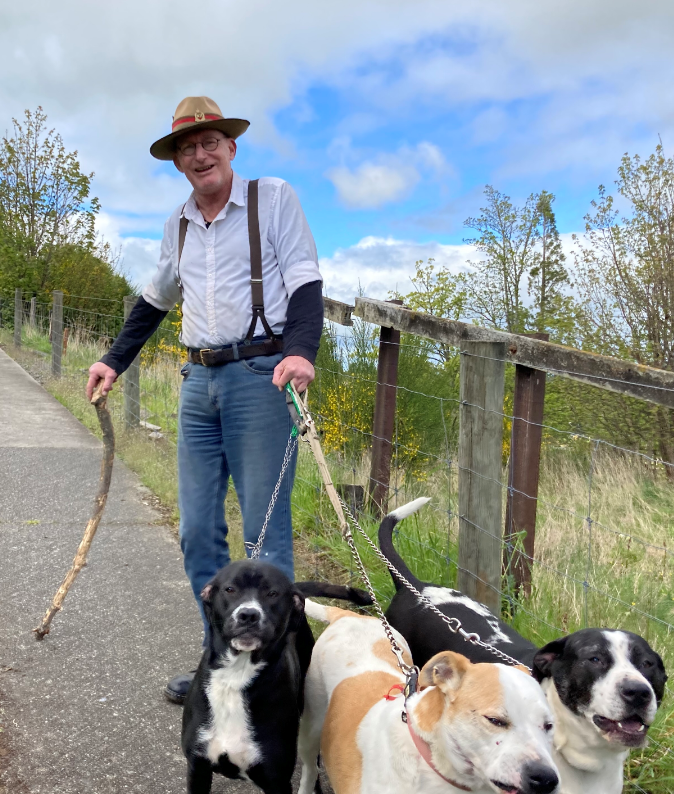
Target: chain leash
{"x": 305, "y": 425}
{"x": 256, "y": 548}
{"x": 453, "y": 624}
{"x": 397, "y": 650}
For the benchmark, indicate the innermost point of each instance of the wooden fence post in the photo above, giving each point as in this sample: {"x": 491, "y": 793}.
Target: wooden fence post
{"x": 131, "y": 377}
{"x": 523, "y": 473}
{"x": 33, "y": 307}
{"x": 56, "y": 333}
{"x": 480, "y": 490}
{"x": 384, "y": 415}
{"x": 18, "y": 316}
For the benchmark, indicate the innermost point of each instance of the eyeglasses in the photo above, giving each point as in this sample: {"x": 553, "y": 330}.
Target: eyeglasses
{"x": 208, "y": 145}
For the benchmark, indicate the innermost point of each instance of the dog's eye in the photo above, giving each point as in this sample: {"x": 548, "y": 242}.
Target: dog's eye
{"x": 230, "y": 590}
{"x": 272, "y": 594}
{"x": 594, "y": 660}
{"x": 647, "y": 663}
{"x": 548, "y": 727}
{"x": 499, "y": 723}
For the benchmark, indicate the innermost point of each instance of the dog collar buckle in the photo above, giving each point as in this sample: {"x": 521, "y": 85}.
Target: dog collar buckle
{"x": 412, "y": 683}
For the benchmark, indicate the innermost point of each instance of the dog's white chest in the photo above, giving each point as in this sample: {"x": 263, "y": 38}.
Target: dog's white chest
{"x": 229, "y": 730}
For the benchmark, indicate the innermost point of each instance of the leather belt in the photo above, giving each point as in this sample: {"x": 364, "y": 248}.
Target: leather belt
{"x": 223, "y": 355}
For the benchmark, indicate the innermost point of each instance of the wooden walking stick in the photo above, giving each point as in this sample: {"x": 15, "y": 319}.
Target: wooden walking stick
{"x": 98, "y": 400}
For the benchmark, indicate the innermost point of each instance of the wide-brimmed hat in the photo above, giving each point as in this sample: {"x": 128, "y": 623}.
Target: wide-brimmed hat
{"x": 193, "y": 113}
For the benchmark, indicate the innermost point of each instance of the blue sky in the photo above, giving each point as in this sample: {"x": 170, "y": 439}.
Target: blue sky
{"x": 387, "y": 117}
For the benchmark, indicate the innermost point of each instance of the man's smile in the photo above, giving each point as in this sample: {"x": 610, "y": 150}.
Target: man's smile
{"x": 202, "y": 169}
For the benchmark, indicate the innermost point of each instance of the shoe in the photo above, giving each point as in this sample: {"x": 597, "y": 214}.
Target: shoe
{"x": 176, "y": 689}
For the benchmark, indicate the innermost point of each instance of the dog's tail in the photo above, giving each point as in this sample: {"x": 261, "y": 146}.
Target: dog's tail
{"x": 327, "y": 614}
{"x": 323, "y": 590}
{"x": 386, "y": 539}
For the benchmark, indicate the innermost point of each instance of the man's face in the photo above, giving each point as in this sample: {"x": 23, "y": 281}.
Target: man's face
{"x": 207, "y": 171}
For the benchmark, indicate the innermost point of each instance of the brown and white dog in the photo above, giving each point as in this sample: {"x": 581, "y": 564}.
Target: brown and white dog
{"x": 484, "y": 728}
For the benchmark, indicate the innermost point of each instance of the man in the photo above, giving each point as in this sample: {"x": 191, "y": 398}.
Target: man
{"x": 232, "y": 418}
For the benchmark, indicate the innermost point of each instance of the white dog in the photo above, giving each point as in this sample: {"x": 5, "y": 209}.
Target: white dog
{"x": 484, "y": 728}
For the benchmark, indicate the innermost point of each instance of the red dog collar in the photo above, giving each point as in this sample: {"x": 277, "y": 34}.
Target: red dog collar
{"x": 425, "y": 753}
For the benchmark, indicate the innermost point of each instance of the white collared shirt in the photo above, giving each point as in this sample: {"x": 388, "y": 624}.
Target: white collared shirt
{"x": 215, "y": 264}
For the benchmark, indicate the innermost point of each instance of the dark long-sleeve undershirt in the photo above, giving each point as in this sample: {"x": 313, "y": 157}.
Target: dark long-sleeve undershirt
{"x": 301, "y": 334}
{"x": 304, "y": 322}
{"x": 138, "y": 328}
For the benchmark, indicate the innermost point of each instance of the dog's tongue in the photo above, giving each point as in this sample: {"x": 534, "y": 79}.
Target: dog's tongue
{"x": 631, "y": 725}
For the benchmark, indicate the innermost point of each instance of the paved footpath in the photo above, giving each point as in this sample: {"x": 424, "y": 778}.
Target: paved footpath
{"x": 83, "y": 711}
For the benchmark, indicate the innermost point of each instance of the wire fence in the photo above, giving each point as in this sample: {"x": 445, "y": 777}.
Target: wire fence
{"x": 605, "y": 512}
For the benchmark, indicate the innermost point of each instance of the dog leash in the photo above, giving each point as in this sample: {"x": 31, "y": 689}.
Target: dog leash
{"x": 304, "y": 426}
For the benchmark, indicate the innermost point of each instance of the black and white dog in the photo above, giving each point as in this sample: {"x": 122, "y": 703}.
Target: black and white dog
{"x": 242, "y": 711}
{"x": 603, "y": 686}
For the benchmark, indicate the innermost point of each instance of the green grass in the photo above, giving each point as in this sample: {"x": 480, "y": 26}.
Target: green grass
{"x": 623, "y": 575}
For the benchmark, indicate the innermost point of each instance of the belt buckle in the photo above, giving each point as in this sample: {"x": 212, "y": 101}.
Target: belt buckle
{"x": 201, "y": 356}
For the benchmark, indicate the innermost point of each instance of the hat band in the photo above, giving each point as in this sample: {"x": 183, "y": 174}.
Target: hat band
{"x": 193, "y": 119}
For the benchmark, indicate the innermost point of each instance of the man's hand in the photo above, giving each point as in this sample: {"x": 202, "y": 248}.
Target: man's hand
{"x": 100, "y": 371}
{"x": 296, "y": 369}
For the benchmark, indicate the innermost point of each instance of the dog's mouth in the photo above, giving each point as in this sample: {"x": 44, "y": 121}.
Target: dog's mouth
{"x": 246, "y": 642}
{"x": 630, "y": 731}
{"x": 507, "y": 787}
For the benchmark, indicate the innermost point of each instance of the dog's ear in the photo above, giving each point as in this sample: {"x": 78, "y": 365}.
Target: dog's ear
{"x": 445, "y": 670}
{"x": 297, "y": 614}
{"x": 207, "y": 595}
{"x": 546, "y": 657}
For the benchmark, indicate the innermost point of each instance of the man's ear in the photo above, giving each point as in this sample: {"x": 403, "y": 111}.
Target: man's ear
{"x": 445, "y": 670}
{"x": 297, "y": 614}
{"x": 176, "y": 163}
{"x": 546, "y": 657}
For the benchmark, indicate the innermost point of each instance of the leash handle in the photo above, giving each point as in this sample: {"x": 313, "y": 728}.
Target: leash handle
{"x": 294, "y": 405}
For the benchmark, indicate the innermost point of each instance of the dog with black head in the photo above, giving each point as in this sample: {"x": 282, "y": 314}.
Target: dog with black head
{"x": 603, "y": 686}
{"x": 242, "y": 711}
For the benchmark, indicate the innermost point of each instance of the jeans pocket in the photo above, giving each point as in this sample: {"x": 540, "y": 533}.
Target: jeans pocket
{"x": 261, "y": 365}
{"x": 186, "y": 369}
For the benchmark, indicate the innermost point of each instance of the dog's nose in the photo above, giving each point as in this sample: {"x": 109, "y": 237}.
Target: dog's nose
{"x": 248, "y": 616}
{"x": 635, "y": 693}
{"x": 539, "y": 778}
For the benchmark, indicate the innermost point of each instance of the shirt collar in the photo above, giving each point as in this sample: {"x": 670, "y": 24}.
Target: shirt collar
{"x": 192, "y": 212}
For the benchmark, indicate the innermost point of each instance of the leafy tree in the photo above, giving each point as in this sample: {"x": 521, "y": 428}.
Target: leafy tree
{"x": 552, "y": 309}
{"x": 438, "y": 293}
{"x": 47, "y": 218}
{"x": 625, "y": 271}
{"x": 507, "y": 237}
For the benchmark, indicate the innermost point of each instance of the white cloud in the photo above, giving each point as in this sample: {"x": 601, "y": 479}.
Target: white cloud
{"x": 138, "y": 256}
{"x": 379, "y": 265}
{"x": 371, "y": 186}
{"x": 389, "y": 178}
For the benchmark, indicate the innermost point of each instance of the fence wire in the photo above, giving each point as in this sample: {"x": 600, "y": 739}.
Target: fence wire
{"x": 603, "y": 553}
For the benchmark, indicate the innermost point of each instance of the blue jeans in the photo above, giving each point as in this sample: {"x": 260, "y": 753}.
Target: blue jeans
{"x": 232, "y": 421}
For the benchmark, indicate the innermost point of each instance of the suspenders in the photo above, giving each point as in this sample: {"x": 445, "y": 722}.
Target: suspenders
{"x": 257, "y": 293}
